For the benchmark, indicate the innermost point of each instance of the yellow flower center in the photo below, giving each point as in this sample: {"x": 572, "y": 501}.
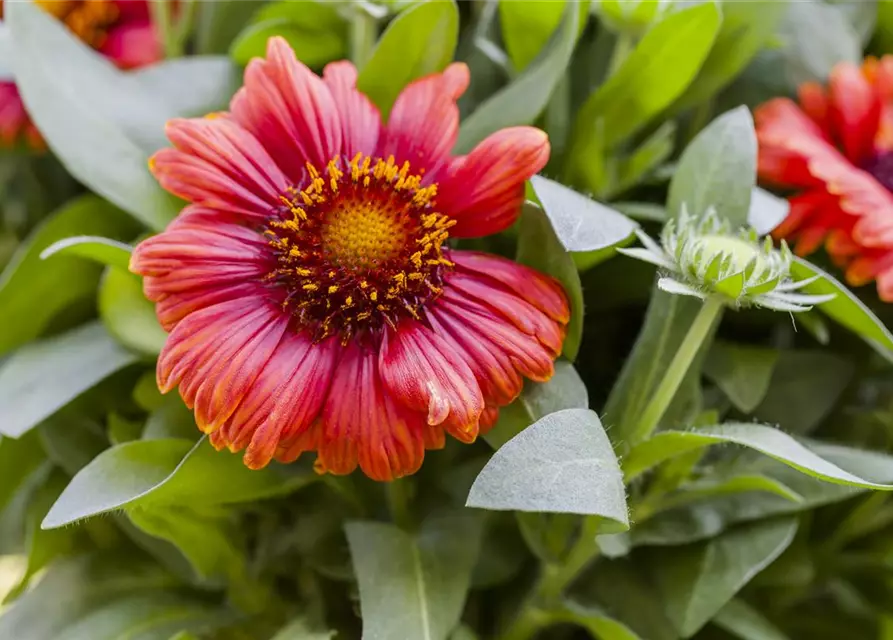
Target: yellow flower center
{"x": 89, "y": 20}
{"x": 358, "y": 248}
{"x": 740, "y": 252}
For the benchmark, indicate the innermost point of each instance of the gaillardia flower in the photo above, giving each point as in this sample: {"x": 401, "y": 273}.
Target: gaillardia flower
{"x": 835, "y": 149}
{"x": 121, "y": 30}
{"x": 702, "y": 257}
{"x": 313, "y": 301}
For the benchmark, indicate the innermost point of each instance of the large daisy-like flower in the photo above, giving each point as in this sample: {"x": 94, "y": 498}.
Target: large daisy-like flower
{"x": 835, "y": 148}
{"x": 121, "y": 30}
{"x": 312, "y": 300}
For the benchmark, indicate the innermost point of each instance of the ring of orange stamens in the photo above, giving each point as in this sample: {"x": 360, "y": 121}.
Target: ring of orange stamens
{"x": 358, "y": 248}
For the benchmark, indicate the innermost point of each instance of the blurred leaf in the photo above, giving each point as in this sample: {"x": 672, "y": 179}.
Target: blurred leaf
{"x": 18, "y": 459}
{"x": 540, "y": 248}
{"x": 816, "y": 38}
{"x": 74, "y": 589}
{"x": 419, "y": 41}
{"x": 598, "y": 624}
{"x": 206, "y": 540}
{"x": 524, "y": 99}
{"x": 127, "y": 314}
{"x": 804, "y": 388}
{"x": 146, "y": 393}
{"x": 766, "y": 211}
{"x": 564, "y": 390}
{"x": 862, "y": 16}
{"x": 742, "y": 372}
{"x": 168, "y": 472}
{"x": 120, "y": 429}
{"x": 697, "y": 580}
{"x": 171, "y": 419}
{"x": 767, "y": 440}
{"x": 32, "y": 292}
{"x": 71, "y": 440}
{"x": 414, "y": 586}
{"x": 563, "y": 463}
{"x": 527, "y": 26}
{"x": 580, "y": 223}
{"x": 102, "y": 250}
{"x": 746, "y": 28}
{"x": 218, "y": 23}
{"x": 710, "y": 487}
{"x": 741, "y": 620}
{"x": 101, "y": 122}
{"x": 883, "y": 35}
{"x": 43, "y": 376}
{"x": 647, "y": 157}
{"x": 663, "y": 64}
{"x": 300, "y": 629}
{"x": 315, "y": 30}
{"x": 845, "y": 309}
{"x": 718, "y": 169}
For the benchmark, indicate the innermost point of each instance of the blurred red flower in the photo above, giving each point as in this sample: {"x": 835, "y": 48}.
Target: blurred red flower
{"x": 834, "y": 148}
{"x": 312, "y": 300}
{"x": 121, "y": 30}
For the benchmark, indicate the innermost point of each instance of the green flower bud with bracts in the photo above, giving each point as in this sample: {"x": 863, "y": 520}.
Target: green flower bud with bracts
{"x": 703, "y": 257}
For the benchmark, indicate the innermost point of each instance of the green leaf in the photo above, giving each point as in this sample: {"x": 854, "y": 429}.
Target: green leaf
{"x": 767, "y": 440}
{"x": 300, "y": 629}
{"x": 845, "y": 309}
{"x": 883, "y": 35}
{"x": 816, "y": 38}
{"x": 710, "y": 487}
{"x": 564, "y": 390}
{"x": 596, "y": 622}
{"x": 581, "y": 224}
{"x": 414, "y": 586}
{"x": 766, "y": 211}
{"x": 563, "y": 463}
{"x": 742, "y": 372}
{"x": 804, "y": 389}
{"x": 104, "y": 251}
{"x": 171, "y": 419}
{"x": 746, "y": 28}
{"x": 32, "y": 292}
{"x": 127, "y": 314}
{"x": 43, "y": 376}
{"x": 522, "y": 101}
{"x": 73, "y": 589}
{"x": 18, "y": 459}
{"x": 206, "y": 540}
{"x": 421, "y": 40}
{"x": 741, "y": 620}
{"x": 102, "y": 123}
{"x": 527, "y": 26}
{"x": 662, "y": 65}
{"x": 718, "y": 169}
{"x": 168, "y": 472}
{"x": 697, "y": 580}
{"x": 71, "y": 440}
{"x": 710, "y": 517}
{"x": 540, "y": 248}
{"x": 315, "y": 30}
{"x": 218, "y": 24}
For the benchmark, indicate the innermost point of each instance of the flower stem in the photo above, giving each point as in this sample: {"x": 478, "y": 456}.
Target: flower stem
{"x": 161, "y": 17}
{"x": 398, "y": 501}
{"x": 679, "y": 366}
{"x": 183, "y": 27}
{"x": 363, "y": 35}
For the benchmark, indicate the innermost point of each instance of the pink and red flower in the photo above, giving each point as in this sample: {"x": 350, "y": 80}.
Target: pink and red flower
{"x": 834, "y": 147}
{"x": 121, "y": 30}
{"x": 312, "y": 300}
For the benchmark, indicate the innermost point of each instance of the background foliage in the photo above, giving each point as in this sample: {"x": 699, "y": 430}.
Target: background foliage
{"x": 759, "y": 511}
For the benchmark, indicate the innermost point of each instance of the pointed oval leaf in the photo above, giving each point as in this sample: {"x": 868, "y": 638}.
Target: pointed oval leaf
{"x": 696, "y": 581}
{"x": 421, "y": 40}
{"x": 767, "y": 440}
{"x": 96, "y": 248}
{"x": 563, "y": 463}
{"x": 127, "y": 314}
{"x": 743, "y": 621}
{"x": 414, "y": 586}
{"x": 522, "y": 101}
{"x": 743, "y": 372}
{"x": 580, "y": 223}
{"x": 43, "y": 376}
{"x": 167, "y": 472}
{"x": 718, "y": 169}
{"x": 845, "y": 308}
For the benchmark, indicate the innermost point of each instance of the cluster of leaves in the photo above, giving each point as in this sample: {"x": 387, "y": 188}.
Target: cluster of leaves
{"x": 758, "y": 510}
